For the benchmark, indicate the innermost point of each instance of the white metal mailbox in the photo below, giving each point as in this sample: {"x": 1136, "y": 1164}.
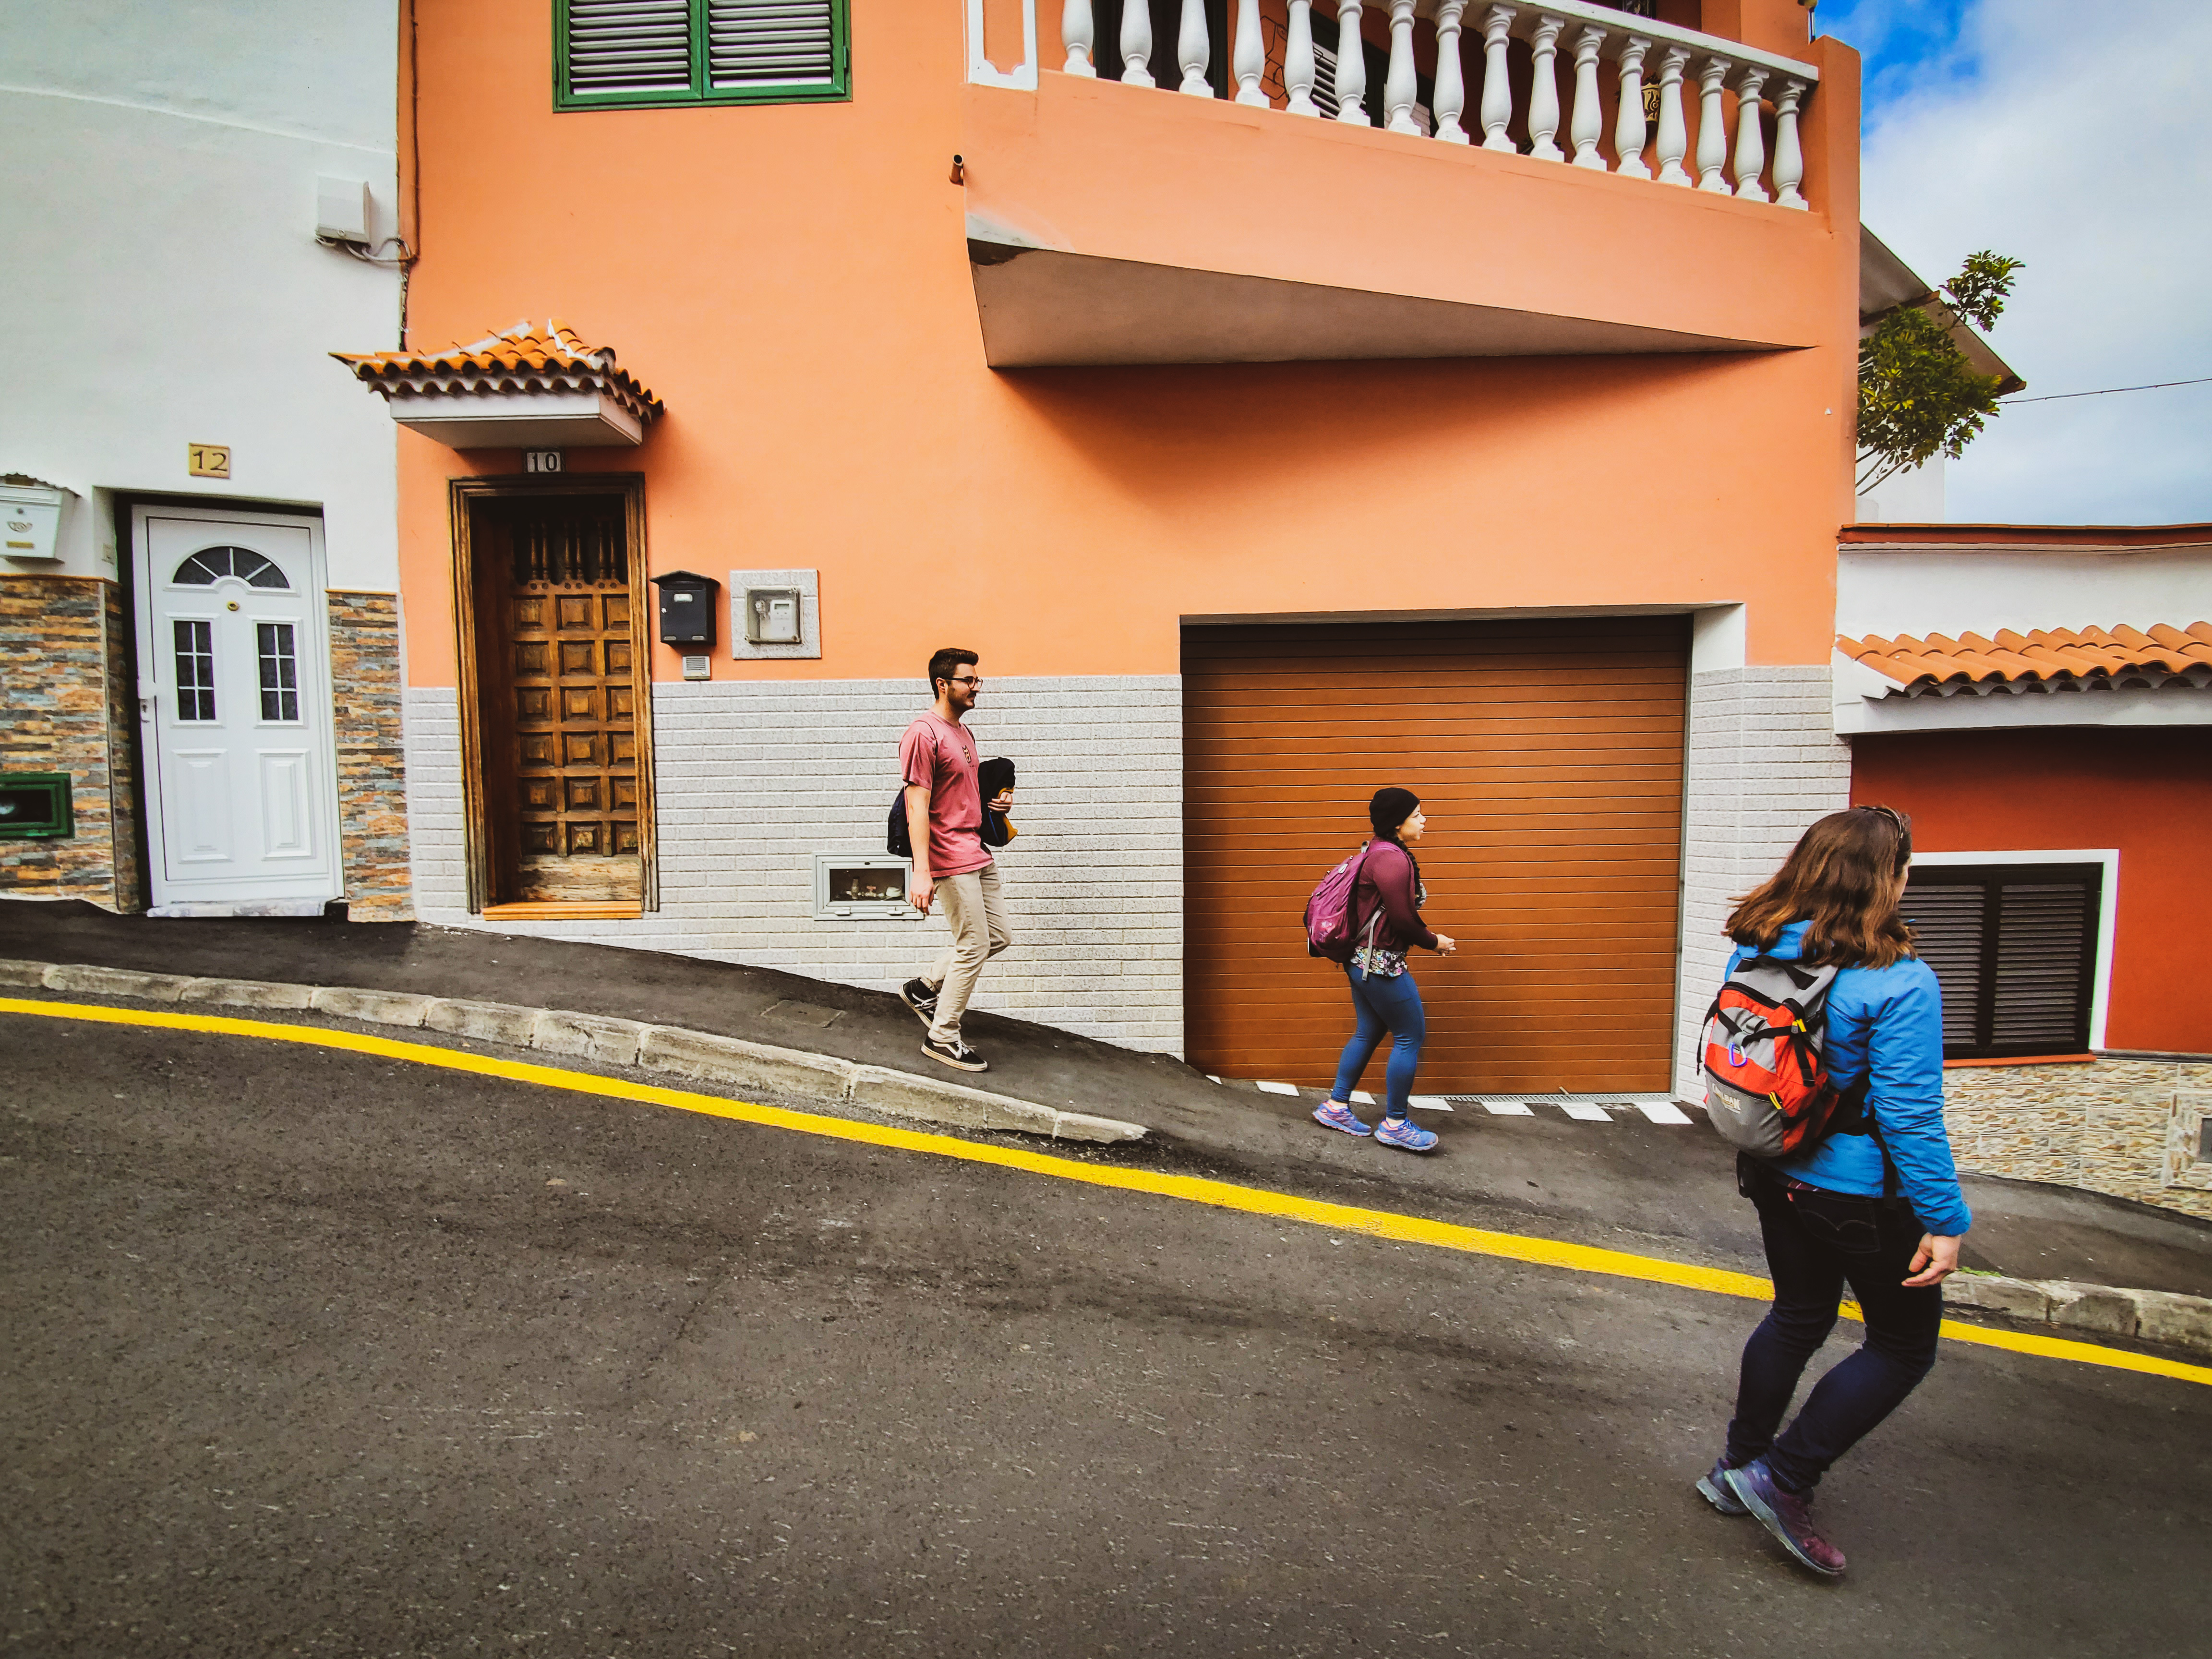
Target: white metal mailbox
{"x": 31, "y": 515}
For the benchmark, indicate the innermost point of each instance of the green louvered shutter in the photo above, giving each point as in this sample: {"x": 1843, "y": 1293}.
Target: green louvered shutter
{"x": 629, "y": 46}
{"x": 770, "y": 43}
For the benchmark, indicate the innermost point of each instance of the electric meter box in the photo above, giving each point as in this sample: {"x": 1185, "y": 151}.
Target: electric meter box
{"x": 772, "y": 615}
{"x": 776, "y": 614}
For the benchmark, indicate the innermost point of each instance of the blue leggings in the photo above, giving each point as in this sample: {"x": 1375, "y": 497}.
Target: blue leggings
{"x": 1383, "y": 1005}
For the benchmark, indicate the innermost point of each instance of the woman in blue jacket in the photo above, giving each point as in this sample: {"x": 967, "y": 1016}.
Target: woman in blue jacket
{"x": 1826, "y": 1214}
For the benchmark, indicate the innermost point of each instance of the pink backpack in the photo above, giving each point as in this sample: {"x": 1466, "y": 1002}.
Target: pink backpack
{"x": 1329, "y": 920}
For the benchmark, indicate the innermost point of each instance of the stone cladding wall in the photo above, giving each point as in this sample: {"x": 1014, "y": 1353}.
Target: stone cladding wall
{"x": 59, "y": 659}
{"x": 2129, "y": 1127}
{"x": 371, "y": 756}
{"x": 127, "y": 822}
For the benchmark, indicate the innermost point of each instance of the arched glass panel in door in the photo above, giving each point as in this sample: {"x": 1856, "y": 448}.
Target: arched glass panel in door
{"x": 211, "y": 564}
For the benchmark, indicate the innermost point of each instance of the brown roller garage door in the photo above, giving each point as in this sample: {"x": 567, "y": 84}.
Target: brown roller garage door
{"x": 1549, "y": 755}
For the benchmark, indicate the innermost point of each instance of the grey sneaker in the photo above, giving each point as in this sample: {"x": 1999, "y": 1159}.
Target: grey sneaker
{"x": 1713, "y": 1487}
{"x": 1789, "y": 1517}
{"x": 955, "y": 1053}
{"x": 917, "y": 995}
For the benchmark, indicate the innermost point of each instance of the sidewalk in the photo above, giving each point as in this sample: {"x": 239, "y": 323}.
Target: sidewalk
{"x": 1628, "y": 1184}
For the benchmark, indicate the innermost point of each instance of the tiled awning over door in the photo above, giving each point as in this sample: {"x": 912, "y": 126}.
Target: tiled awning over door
{"x": 1548, "y": 755}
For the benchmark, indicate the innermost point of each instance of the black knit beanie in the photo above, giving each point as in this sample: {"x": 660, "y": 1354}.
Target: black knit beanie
{"x": 1389, "y": 809}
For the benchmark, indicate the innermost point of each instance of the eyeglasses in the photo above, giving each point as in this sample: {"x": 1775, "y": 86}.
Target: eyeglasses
{"x": 1903, "y": 823}
{"x": 965, "y": 679}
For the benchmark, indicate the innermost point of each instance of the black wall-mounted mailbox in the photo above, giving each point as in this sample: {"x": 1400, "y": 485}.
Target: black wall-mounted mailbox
{"x": 687, "y": 610}
{"x": 35, "y": 806}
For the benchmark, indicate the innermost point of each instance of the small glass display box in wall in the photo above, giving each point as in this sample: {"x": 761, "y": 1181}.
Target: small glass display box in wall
{"x": 852, "y": 885}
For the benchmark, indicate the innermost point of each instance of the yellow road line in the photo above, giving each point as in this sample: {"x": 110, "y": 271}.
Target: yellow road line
{"x": 1190, "y": 1189}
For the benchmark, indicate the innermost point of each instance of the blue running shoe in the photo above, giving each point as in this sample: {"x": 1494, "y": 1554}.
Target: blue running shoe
{"x": 1713, "y": 1487}
{"x": 1788, "y": 1516}
{"x": 1335, "y": 1115}
{"x": 1404, "y": 1134}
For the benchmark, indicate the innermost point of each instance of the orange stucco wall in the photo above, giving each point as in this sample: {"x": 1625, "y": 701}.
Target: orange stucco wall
{"x": 2148, "y": 792}
{"x": 793, "y": 280}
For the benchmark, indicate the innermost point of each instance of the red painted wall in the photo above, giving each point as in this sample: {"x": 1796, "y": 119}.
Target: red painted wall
{"x": 2147, "y": 792}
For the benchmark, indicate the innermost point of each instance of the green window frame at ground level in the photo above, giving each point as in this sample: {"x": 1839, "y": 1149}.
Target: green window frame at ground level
{"x": 661, "y": 54}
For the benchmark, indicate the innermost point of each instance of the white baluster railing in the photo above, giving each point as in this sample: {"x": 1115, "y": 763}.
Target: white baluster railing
{"x": 1298, "y": 60}
{"x": 1588, "y": 119}
{"x": 1673, "y": 130}
{"x": 1136, "y": 44}
{"x": 1399, "y": 85}
{"x": 1739, "y": 168}
{"x": 1712, "y": 131}
{"x": 1789, "y": 159}
{"x": 982, "y": 72}
{"x": 1544, "y": 90}
{"x": 1451, "y": 80}
{"x": 1078, "y": 31}
{"x": 1497, "y": 87}
{"x": 1750, "y": 140}
{"x": 1628, "y": 124}
{"x": 1351, "y": 66}
{"x": 1194, "y": 50}
{"x": 1251, "y": 62}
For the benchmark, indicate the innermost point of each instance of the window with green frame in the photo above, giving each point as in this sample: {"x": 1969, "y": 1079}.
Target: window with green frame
{"x": 627, "y": 54}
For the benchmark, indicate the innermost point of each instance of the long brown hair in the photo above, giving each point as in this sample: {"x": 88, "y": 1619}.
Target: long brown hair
{"x": 1841, "y": 876}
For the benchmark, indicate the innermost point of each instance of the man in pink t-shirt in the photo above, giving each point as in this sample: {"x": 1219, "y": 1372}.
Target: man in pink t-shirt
{"x": 944, "y": 823}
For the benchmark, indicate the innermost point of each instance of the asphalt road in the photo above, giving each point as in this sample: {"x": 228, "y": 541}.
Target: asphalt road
{"x": 308, "y": 1354}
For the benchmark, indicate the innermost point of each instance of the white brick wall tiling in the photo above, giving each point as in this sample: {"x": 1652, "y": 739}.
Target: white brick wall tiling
{"x": 1764, "y": 762}
{"x": 756, "y": 777}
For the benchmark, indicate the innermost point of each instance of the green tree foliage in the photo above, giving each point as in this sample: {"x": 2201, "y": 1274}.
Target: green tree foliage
{"x": 1918, "y": 396}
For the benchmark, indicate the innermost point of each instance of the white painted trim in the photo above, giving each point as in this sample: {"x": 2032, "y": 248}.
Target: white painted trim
{"x": 2100, "y": 997}
{"x": 982, "y": 72}
{"x": 1720, "y": 639}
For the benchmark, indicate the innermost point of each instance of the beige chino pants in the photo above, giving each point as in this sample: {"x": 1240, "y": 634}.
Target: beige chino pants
{"x": 978, "y": 920}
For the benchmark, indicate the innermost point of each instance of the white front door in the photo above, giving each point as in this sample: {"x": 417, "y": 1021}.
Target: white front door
{"x": 234, "y": 711}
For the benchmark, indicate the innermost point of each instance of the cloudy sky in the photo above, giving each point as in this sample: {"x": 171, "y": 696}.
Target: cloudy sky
{"x": 2071, "y": 136}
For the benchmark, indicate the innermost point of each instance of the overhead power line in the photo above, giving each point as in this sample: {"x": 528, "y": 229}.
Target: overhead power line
{"x": 2106, "y": 391}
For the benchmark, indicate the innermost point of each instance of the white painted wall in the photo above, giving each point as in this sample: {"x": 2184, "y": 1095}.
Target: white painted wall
{"x": 1919, "y": 592}
{"x": 163, "y": 284}
{"x": 1914, "y": 496}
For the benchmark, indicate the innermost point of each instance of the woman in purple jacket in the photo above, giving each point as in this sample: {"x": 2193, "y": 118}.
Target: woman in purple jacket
{"x": 1386, "y": 899}
{"x": 1876, "y": 1205}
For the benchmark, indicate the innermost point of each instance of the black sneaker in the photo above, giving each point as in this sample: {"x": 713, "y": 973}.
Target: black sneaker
{"x": 917, "y": 995}
{"x": 955, "y": 1053}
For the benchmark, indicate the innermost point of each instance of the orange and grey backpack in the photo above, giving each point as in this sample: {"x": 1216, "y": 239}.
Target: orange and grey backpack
{"x": 1767, "y": 1092}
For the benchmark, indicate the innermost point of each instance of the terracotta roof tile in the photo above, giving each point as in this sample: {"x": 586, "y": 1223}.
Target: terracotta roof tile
{"x": 529, "y": 357}
{"x": 2042, "y": 658}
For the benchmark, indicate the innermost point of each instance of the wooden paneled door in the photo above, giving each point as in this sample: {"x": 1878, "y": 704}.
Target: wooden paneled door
{"x": 560, "y": 785}
{"x": 1548, "y": 757}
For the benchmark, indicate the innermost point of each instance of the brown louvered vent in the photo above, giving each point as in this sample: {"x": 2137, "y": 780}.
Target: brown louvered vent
{"x": 2014, "y": 947}
{"x": 630, "y": 46}
{"x": 768, "y": 42}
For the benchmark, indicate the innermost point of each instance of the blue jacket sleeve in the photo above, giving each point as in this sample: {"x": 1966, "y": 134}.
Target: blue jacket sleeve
{"x": 1887, "y": 1025}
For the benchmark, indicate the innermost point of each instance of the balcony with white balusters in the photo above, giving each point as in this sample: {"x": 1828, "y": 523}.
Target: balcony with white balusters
{"x": 1275, "y": 182}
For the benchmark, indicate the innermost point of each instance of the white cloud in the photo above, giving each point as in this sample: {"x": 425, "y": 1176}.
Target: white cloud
{"x": 2079, "y": 148}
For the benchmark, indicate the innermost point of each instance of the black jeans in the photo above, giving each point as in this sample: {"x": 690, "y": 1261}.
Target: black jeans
{"x": 1816, "y": 1242}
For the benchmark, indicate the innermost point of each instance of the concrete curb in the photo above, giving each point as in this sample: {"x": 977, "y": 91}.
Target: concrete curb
{"x": 699, "y": 1056}
{"x": 2180, "y": 1321}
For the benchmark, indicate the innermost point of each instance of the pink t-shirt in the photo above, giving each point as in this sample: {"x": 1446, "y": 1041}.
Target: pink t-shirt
{"x": 941, "y": 757}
